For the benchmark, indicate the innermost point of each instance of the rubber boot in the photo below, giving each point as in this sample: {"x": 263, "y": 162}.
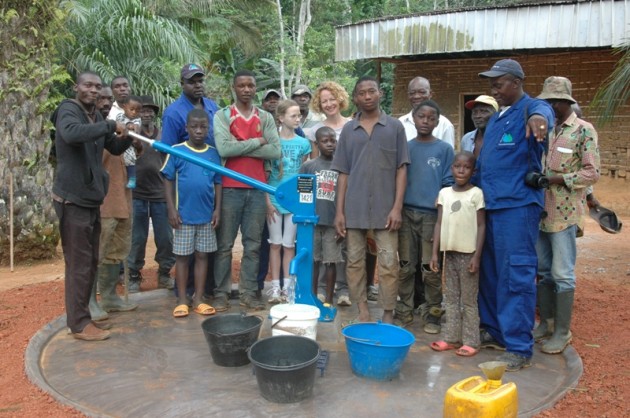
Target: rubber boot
{"x": 107, "y": 281}
{"x": 96, "y": 312}
{"x": 546, "y": 297}
{"x": 562, "y": 333}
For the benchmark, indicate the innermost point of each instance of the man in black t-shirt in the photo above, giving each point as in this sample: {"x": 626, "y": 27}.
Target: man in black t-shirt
{"x": 149, "y": 202}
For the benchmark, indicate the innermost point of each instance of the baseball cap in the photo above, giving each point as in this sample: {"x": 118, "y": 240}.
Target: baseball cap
{"x": 503, "y": 67}
{"x": 301, "y": 89}
{"x": 558, "y": 88}
{"x": 190, "y": 70}
{"x": 487, "y": 100}
{"x": 271, "y": 91}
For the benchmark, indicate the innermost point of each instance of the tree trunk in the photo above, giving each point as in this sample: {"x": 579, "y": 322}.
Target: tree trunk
{"x": 26, "y": 72}
{"x": 304, "y": 21}
{"x": 282, "y": 50}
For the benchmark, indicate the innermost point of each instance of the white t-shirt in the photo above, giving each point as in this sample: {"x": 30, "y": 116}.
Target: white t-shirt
{"x": 459, "y": 219}
{"x": 444, "y": 131}
{"x": 115, "y": 111}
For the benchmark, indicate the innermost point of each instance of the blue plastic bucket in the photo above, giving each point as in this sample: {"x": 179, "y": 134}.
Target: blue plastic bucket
{"x": 377, "y": 351}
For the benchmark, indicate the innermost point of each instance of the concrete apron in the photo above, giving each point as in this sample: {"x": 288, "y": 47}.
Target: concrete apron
{"x": 156, "y": 365}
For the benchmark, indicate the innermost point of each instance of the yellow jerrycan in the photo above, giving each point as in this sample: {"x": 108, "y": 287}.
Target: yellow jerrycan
{"x": 476, "y": 397}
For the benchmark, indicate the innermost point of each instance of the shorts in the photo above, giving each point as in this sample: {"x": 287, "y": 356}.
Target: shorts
{"x": 282, "y": 230}
{"x": 326, "y": 247}
{"x": 190, "y": 238}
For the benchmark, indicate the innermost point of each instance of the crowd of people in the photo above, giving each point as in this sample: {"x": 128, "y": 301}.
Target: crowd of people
{"x": 467, "y": 235}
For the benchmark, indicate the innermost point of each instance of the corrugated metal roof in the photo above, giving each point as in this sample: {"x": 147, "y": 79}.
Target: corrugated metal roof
{"x": 567, "y": 25}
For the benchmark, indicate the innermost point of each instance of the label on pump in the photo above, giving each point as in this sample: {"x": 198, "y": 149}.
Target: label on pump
{"x": 305, "y": 189}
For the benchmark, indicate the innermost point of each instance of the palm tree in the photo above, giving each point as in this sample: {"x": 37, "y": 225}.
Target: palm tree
{"x": 149, "y": 40}
{"x": 114, "y": 37}
{"x": 615, "y": 91}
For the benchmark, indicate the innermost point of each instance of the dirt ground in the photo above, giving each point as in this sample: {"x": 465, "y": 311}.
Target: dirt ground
{"x": 32, "y": 295}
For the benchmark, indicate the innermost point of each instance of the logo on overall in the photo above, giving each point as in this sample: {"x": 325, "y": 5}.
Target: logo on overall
{"x": 506, "y": 139}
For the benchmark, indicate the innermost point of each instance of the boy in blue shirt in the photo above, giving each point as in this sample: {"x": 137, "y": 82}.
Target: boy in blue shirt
{"x": 193, "y": 199}
{"x": 429, "y": 171}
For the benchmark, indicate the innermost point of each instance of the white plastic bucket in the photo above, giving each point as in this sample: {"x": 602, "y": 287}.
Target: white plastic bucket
{"x": 294, "y": 319}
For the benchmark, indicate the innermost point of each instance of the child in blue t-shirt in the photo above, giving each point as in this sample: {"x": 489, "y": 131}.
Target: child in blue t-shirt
{"x": 327, "y": 245}
{"x": 429, "y": 171}
{"x": 282, "y": 230}
{"x": 193, "y": 199}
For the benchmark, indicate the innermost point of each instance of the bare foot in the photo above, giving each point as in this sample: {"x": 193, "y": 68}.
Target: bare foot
{"x": 388, "y": 317}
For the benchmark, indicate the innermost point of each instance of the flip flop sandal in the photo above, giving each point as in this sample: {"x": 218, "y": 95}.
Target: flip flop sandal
{"x": 180, "y": 311}
{"x": 205, "y": 309}
{"x": 443, "y": 346}
{"x": 466, "y": 351}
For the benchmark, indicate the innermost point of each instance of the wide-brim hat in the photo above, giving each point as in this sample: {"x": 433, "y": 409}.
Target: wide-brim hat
{"x": 147, "y": 101}
{"x": 607, "y": 219}
{"x": 557, "y": 88}
{"x": 483, "y": 99}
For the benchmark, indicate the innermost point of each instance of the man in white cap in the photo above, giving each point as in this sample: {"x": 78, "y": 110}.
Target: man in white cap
{"x": 418, "y": 91}
{"x": 482, "y": 108}
{"x": 571, "y": 165}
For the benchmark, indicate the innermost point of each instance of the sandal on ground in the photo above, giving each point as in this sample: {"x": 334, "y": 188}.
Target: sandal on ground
{"x": 205, "y": 309}
{"x": 443, "y": 346}
{"x": 466, "y": 351}
{"x": 180, "y": 311}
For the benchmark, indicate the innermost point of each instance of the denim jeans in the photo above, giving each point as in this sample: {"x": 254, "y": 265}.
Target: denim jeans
{"x": 245, "y": 209}
{"x": 162, "y": 235}
{"x": 556, "y": 258}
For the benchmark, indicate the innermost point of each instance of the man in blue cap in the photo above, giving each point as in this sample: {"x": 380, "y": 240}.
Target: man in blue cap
{"x": 514, "y": 142}
{"x": 193, "y": 96}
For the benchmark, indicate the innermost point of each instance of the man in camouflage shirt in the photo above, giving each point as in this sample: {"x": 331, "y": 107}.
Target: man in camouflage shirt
{"x": 571, "y": 165}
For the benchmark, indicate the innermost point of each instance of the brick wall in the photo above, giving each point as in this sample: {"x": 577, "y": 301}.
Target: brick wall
{"x": 454, "y": 78}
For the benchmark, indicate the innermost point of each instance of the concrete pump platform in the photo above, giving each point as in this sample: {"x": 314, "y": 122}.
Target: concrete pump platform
{"x": 156, "y": 365}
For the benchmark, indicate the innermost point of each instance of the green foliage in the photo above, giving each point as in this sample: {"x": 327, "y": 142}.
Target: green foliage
{"x": 615, "y": 91}
{"x": 29, "y": 40}
{"x": 114, "y": 37}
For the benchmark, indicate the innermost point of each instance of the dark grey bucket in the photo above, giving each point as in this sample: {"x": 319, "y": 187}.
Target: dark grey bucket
{"x": 285, "y": 367}
{"x": 229, "y": 336}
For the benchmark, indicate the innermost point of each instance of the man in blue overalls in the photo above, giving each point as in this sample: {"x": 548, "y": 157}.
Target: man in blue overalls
{"x": 513, "y": 146}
